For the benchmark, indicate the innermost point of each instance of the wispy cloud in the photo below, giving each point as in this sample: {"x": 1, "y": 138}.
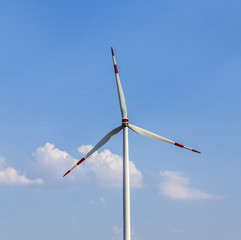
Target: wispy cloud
{"x": 118, "y": 234}
{"x": 176, "y": 186}
{"x": 101, "y": 200}
{"x": 10, "y": 176}
{"x": 102, "y": 168}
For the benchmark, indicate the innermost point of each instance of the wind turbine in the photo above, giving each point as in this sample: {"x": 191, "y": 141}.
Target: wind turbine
{"x": 124, "y": 126}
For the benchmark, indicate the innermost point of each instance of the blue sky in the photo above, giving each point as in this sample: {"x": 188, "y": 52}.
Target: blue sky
{"x": 179, "y": 64}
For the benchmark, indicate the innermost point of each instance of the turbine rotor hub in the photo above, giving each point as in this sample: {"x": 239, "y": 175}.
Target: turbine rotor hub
{"x": 125, "y": 122}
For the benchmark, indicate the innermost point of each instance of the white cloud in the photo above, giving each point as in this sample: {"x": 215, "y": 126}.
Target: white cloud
{"x": 10, "y": 176}
{"x": 85, "y": 149}
{"x": 104, "y": 168}
{"x": 108, "y": 168}
{"x": 175, "y": 186}
{"x": 51, "y": 163}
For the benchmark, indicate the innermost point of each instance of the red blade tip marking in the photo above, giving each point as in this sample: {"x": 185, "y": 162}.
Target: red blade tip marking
{"x": 66, "y": 173}
{"x": 80, "y": 161}
{"x": 195, "y": 151}
{"x": 179, "y": 145}
{"x": 112, "y": 51}
{"x": 116, "y": 71}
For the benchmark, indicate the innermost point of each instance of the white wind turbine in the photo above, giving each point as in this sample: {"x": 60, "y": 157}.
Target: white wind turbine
{"x": 125, "y": 125}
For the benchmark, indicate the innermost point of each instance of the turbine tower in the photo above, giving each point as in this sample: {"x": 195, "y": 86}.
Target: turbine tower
{"x": 124, "y": 126}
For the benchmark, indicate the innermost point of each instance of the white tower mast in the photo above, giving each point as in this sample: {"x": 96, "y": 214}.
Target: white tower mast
{"x": 126, "y": 187}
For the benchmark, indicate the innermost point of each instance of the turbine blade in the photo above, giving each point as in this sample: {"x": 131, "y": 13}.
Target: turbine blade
{"x": 120, "y": 91}
{"x": 155, "y": 136}
{"x": 104, "y": 140}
